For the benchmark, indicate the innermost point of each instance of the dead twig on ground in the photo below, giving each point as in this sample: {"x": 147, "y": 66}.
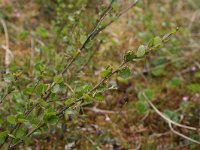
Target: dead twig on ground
{"x": 171, "y": 122}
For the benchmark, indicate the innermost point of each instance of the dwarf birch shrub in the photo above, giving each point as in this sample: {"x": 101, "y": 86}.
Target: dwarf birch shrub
{"x": 49, "y": 85}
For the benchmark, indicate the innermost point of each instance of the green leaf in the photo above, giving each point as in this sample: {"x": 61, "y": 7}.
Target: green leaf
{"x": 88, "y": 98}
{"x": 141, "y": 107}
{"x": 129, "y": 56}
{"x": 115, "y": 6}
{"x": 27, "y": 140}
{"x": 71, "y": 18}
{"x": 22, "y": 120}
{"x": 148, "y": 93}
{"x": 81, "y": 89}
{"x": 20, "y": 133}
{"x": 99, "y": 97}
{"x": 172, "y": 115}
{"x": 174, "y": 30}
{"x": 3, "y": 135}
{"x": 68, "y": 102}
{"x": 11, "y": 119}
{"x": 82, "y": 39}
{"x": 141, "y": 51}
{"x": 41, "y": 31}
{"x": 158, "y": 71}
{"x": 51, "y": 117}
{"x": 70, "y": 112}
{"x": 106, "y": 72}
{"x": 28, "y": 90}
{"x": 58, "y": 79}
{"x": 20, "y": 115}
{"x": 157, "y": 41}
{"x": 40, "y": 67}
{"x": 56, "y": 88}
{"x": 151, "y": 43}
{"x": 42, "y": 102}
{"x": 125, "y": 73}
{"x": 40, "y": 89}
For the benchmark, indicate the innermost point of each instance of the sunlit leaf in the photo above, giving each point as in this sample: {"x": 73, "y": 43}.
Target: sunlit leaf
{"x": 141, "y": 51}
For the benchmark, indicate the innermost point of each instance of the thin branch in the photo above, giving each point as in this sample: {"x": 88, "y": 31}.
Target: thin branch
{"x": 127, "y": 9}
{"x": 93, "y": 89}
{"x": 90, "y": 58}
{"x": 66, "y": 107}
{"x": 28, "y": 135}
{"x": 118, "y": 16}
{"x": 94, "y": 33}
{"x": 88, "y": 39}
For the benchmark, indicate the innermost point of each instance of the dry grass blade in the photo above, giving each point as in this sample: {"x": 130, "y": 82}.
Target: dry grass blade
{"x": 8, "y": 52}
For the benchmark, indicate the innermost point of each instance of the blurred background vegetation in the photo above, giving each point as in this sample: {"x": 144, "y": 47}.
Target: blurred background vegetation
{"x": 48, "y": 33}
